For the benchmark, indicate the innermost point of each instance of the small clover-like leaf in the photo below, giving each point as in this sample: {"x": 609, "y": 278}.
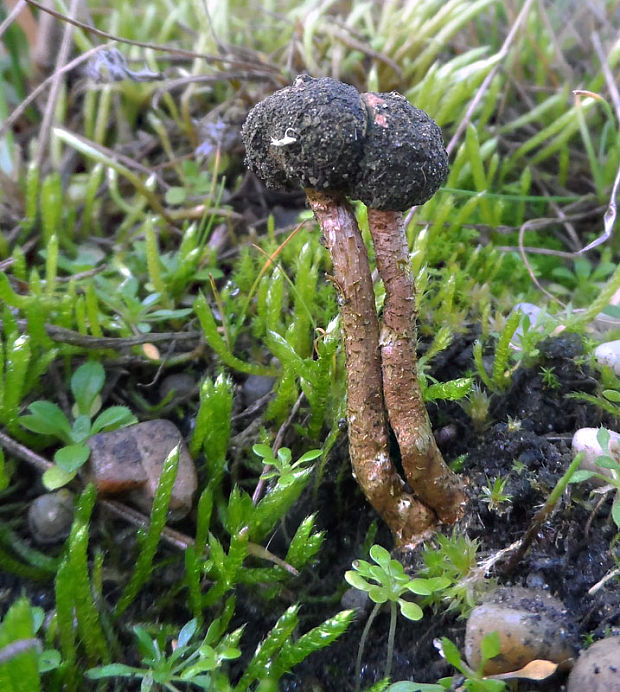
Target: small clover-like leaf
{"x": 309, "y": 456}
{"x": 378, "y": 594}
{"x": 55, "y": 478}
{"x": 356, "y": 580}
{"x": 377, "y": 573}
{"x": 47, "y": 419}
{"x": 72, "y": 457}
{"x": 284, "y": 455}
{"x": 86, "y": 383}
{"x": 411, "y": 611}
{"x": 362, "y": 567}
{"x": 113, "y": 418}
{"x": 602, "y": 437}
{"x": 263, "y": 451}
{"x": 612, "y": 395}
{"x": 380, "y": 555}
{"x": 607, "y": 462}
{"x": 286, "y": 478}
{"x": 490, "y": 646}
{"x": 580, "y": 476}
{"x": 187, "y": 632}
{"x": 419, "y": 586}
{"x": 438, "y": 583}
{"x": 80, "y": 430}
{"x": 396, "y": 569}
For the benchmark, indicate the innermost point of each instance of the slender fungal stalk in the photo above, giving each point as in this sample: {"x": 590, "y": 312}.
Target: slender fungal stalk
{"x": 430, "y": 478}
{"x": 407, "y": 517}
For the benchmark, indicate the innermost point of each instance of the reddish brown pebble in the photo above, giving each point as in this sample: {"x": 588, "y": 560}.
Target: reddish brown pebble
{"x": 131, "y": 459}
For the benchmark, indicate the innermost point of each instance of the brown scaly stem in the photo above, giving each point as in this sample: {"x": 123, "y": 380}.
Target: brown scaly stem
{"x": 431, "y": 480}
{"x": 408, "y": 518}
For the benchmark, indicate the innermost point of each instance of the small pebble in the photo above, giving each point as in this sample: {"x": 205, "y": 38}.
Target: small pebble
{"x": 255, "y": 387}
{"x": 354, "y": 599}
{"x": 597, "y": 668}
{"x": 533, "y": 312}
{"x": 531, "y": 625}
{"x": 608, "y": 353}
{"x": 182, "y": 384}
{"x": 584, "y": 440}
{"x": 131, "y": 459}
{"x": 50, "y": 516}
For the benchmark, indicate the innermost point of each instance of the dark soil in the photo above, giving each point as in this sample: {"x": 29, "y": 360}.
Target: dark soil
{"x": 528, "y": 441}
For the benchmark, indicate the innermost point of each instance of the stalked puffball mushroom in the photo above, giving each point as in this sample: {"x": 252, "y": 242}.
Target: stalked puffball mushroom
{"x": 324, "y": 136}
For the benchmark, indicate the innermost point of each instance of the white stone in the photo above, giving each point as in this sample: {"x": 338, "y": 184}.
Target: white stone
{"x": 608, "y": 353}
{"x": 533, "y": 312}
{"x": 584, "y": 440}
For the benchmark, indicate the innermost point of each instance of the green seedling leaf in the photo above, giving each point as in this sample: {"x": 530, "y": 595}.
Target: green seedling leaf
{"x": 356, "y": 580}
{"x": 71, "y": 457}
{"x": 80, "y": 431}
{"x": 187, "y": 632}
{"x": 420, "y": 586}
{"x": 112, "y": 670}
{"x": 607, "y": 462}
{"x": 405, "y": 686}
{"x": 263, "y": 451}
{"x": 55, "y": 478}
{"x": 362, "y": 567}
{"x": 113, "y": 418}
{"x": 309, "y": 456}
{"x": 380, "y": 555}
{"x": 580, "y": 476}
{"x": 490, "y": 646}
{"x": 449, "y": 651}
{"x": 208, "y": 661}
{"x": 147, "y": 646}
{"x": 612, "y": 395}
{"x": 411, "y": 611}
{"x": 48, "y": 660}
{"x": 168, "y": 314}
{"x": 175, "y": 195}
{"x": 284, "y": 456}
{"x": 615, "y": 511}
{"x": 378, "y": 594}
{"x": 86, "y": 383}
{"x": 602, "y": 437}
{"x": 47, "y": 419}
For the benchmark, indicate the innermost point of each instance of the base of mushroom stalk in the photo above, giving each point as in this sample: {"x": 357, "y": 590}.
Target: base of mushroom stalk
{"x": 409, "y": 519}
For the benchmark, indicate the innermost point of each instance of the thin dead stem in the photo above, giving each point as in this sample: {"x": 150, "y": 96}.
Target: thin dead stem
{"x": 50, "y": 107}
{"x": 132, "y": 516}
{"x": 11, "y": 16}
{"x": 503, "y": 52}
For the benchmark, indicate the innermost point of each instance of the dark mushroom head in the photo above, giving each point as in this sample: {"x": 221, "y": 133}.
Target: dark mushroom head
{"x": 323, "y": 134}
{"x": 307, "y": 134}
